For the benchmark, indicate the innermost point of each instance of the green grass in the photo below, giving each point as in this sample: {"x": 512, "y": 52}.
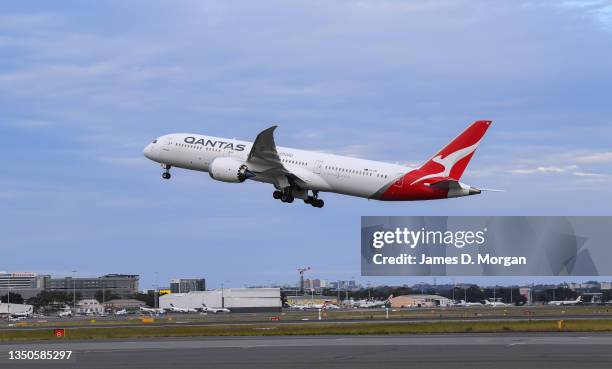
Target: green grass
{"x": 311, "y": 329}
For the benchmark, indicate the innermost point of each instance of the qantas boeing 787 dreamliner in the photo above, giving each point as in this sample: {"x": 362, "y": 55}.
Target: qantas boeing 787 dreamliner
{"x": 304, "y": 174}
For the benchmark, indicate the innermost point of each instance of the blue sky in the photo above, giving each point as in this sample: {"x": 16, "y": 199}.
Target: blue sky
{"x": 84, "y": 87}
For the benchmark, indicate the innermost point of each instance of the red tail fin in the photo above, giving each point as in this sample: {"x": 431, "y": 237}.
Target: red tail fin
{"x": 452, "y": 160}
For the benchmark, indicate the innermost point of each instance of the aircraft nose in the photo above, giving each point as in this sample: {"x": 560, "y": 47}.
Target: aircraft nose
{"x": 148, "y": 151}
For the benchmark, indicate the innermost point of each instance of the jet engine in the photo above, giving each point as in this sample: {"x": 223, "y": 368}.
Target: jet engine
{"x": 229, "y": 170}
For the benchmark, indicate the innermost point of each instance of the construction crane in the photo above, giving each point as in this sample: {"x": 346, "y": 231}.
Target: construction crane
{"x": 302, "y": 271}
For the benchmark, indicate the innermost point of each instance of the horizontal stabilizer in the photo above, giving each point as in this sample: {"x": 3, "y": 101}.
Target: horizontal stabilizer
{"x": 445, "y": 184}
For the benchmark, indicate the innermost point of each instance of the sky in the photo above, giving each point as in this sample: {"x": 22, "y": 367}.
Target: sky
{"x": 85, "y": 86}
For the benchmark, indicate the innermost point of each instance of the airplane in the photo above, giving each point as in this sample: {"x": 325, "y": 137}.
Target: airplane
{"x": 121, "y": 312}
{"x": 325, "y": 305}
{"x": 206, "y": 309}
{"x": 466, "y": 304}
{"x": 22, "y": 314}
{"x": 65, "y": 314}
{"x": 175, "y": 309}
{"x": 300, "y": 174}
{"x": 152, "y": 311}
{"x": 370, "y": 304}
{"x": 16, "y": 318}
{"x": 495, "y": 303}
{"x": 566, "y": 302}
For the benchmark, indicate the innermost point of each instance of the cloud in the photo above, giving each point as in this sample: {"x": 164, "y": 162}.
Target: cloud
{"x": 599, "y": 10}
{"x": 595, "y": 158}
{"x": 543, "y": 170}
{"x": 586, "y": 174}
{"x": 125, "y": 161}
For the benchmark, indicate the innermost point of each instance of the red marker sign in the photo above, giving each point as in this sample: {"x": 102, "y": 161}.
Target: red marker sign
{"x": 60, "y": 332}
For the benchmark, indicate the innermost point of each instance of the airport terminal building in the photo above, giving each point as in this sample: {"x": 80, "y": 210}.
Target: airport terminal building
{"x": 122, "y": 285}
{"x": 236, "y": 299}
{"x": 26, "y": 284}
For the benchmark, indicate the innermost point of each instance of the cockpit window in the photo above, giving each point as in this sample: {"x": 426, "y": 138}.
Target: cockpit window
{"x": 154, "y": 141}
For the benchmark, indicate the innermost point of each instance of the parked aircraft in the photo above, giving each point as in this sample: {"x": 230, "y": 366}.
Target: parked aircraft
{"x": 566, "y": 302}
{"x": 152, "y": 311}
{"x": 206, "y": 309}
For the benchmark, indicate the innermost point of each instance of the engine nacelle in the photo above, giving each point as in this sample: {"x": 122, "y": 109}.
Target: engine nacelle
{"x": 229, "y": 170}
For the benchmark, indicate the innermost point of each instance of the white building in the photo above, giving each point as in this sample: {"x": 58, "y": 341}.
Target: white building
{"x": 89, "y": 307}
{"x": 6, "y": 309}
{"x": 235, "y": 299}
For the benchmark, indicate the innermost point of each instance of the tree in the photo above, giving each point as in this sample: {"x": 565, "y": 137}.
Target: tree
{"x": 284, "y": 302}
{"x": 16, "y": 298}
{"x": 148, "y": 298}
{"x": 102, "y": 296}
{"x": 46, "y": 298}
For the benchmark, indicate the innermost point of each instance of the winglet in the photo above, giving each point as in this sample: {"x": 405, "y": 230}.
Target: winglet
{"x": 264, "y": 147}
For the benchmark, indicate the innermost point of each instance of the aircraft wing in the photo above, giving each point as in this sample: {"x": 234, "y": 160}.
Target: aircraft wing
{"x": 264, "y": 159}
{"x": 264, "y": 151}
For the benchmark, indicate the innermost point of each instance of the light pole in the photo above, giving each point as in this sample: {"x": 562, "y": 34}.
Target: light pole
{"x": 74, "y": 290}
{"x": 8, "y": 299}
{"x": 155, "y": 293}
{"x": 222, "y": 295}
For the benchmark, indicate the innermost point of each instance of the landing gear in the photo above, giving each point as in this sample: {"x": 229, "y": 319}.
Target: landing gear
{"x": 314, "y": 200}
{"x": 166, "y": 174}
{"x": 287, "y": 195}
{"x": 284, "y": 195}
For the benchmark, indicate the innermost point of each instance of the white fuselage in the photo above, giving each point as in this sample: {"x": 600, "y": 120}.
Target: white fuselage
{"x": 320, "y": 171}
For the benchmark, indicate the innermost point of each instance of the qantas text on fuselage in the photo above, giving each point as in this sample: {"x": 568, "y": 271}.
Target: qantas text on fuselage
{"x": 304, "y": 174}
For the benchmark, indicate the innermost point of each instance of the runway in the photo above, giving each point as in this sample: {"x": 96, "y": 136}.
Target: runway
{"x": 552, "y": 350}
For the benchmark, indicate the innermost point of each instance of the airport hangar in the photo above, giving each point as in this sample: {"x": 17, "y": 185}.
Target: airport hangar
{"x": 238, "y": 300}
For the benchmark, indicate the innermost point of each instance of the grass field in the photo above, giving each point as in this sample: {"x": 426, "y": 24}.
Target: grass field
{"x": 603, "y": 325}
{"x": 603, "y": 312}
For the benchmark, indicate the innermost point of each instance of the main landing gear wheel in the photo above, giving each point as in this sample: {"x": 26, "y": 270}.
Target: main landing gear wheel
{"x": 287, "y": 197}
{"x": 166, "y": 174}
{"x": 284, "y": 195}
{"x": 315, "y": 202}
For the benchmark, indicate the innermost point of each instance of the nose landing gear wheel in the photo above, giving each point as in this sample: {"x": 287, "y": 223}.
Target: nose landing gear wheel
{"x": 166, "y": 173}
{"x": 276, "y": 195}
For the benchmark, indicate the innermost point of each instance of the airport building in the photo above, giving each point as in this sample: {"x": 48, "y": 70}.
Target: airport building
{"x": 89, "y": 307}
{"x": 122, "y": 285}
{"x": 128, "y": 304}
{"x": 235, "y": 299}
{"x": 11, "y": 308}
{"x": 26, "y": 284}
{"x": 185, "y": 285}
{"x": 407, "y": 301}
